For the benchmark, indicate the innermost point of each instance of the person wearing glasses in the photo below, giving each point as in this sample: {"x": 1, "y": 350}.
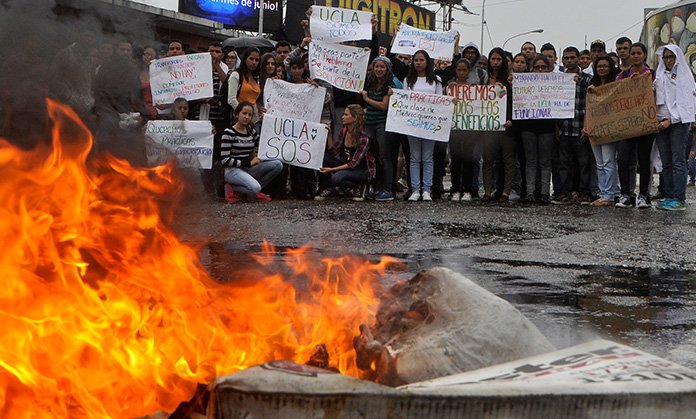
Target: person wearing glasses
{"x": 675, "y": 93}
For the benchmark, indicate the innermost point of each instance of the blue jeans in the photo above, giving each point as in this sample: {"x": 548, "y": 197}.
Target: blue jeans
{"x": 249, "y": 181}
{"x": 421, "y": 150}
{"x": 672, "y": 142}
{"x": 607, "y": 172}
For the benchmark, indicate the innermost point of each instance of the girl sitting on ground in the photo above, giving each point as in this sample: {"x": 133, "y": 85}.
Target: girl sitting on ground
{"x": 352, "y": 164}
{"x": 246, "y": 175}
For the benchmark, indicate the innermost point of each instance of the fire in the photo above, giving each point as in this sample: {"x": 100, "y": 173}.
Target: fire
{"x": 105, "y": 313}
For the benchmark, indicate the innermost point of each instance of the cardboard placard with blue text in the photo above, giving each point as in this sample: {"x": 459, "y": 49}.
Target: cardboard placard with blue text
{"x": 341, "y": 66}
{"x": 620, "y": 110}
{"x": 422, "y": 115}
{"x": 300, "y": 101}
{"x": 543, "y": 96}
{"x": 478, "y": 107}
{"x": 293, "y": 141}
{"x": 332, "y": 24}
{"x": 191, "y": 142}
{"x": 438, "y": 45}
{"x": 189, "y": 76}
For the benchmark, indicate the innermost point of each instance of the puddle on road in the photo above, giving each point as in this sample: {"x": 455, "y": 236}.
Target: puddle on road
{"x": 652, "y": 309}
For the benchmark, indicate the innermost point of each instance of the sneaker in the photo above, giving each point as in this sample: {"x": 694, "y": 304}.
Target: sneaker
{"x": 545, "y": 200}
{"x": 561, "y": 199}
{"x": 529, "y": 199}
{"x": 426, "y": 196}
{"x": 671, "y": 205}
{"x": 456, "y": 197}
{"x": 402, "y": 183}
{"x": 230, "y": 195}
{"x": 415, "y": 196}
{"x": 624, "y": 202}
{"x": 466, "y": 196}
{"x": 504, "y": 200}
{"x": 642, "y": 202}
{"x": 486, "y": 199}
{"x": 583, "y": 199}
{"x": 262, "y": 197}
{"x": 326, "y": 193}
{"x": 602, "y": 203}
{"x": 383, "y": 196}
{"x": 658, "y": 196}
{"x": 514, "y": 195}
{"x": 360, "y": 193}
{"x": 691, "y": 183}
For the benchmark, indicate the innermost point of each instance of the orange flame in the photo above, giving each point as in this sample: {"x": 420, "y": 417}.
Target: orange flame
{"x": 105, "y": 313}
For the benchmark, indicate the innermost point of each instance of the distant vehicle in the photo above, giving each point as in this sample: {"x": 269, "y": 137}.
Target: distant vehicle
{"x": 406, "y": 43}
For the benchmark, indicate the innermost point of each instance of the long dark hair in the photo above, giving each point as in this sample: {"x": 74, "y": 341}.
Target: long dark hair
{"x": 503, "y": 73}
{"x": 373, "y": 84}
{"x": 613, "y": 71}
{"x": 262, "y": 68}
{"x": 243, "y": 70}
{"x": 412, "y": 75}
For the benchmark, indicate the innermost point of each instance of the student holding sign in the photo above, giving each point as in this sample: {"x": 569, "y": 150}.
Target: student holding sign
{"x": 605, "y": 154}
{"x": 376, "y": 95}
{"x": 243, "y": 83}
{"x": 538, "y": 137}
{"x": 421, "y": 78}
{"x": 642, "y": 146}
{"x": 675, "y": 93}
{"x": 499, "y": 73}
{"x": 245, "y": 174}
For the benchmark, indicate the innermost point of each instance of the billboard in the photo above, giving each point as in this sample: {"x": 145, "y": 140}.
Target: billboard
{"x": 237, "y": 14}
{"x": 390, "y": 14}
{"x": 674, "y": 24}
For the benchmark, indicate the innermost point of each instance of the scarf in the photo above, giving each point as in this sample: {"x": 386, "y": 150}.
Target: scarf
{"x": 679, "y": 78}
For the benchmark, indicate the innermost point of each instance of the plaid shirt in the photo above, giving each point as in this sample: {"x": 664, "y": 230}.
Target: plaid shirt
{"x": 573, "y": 127}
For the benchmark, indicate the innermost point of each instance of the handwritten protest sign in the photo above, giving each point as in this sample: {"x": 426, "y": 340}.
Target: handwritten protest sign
{"x": 439, "y": 45}
{"x": 331, "y": 24}
{"x": 620, "y": 110}
{"x": 479, "y": 107}
{"x": 342, "y": 66}
{"x": 188, "y": 76}
{"x": 422, "y": 115}
{"x": 191, "y": 142}
{"x": 300, "y": 101}
{"x": 293, "y": 141}
{"x": 543, "y": 96}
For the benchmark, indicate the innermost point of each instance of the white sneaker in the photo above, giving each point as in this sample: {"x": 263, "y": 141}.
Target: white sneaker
{"x": 514, "y": 195}
{"x": 415, "y": 196}
{"x": 466, "y": 196}
{"x": 642, "y": 202}
{"x": 426, "y": 196}
{"x": 456, "y": 196}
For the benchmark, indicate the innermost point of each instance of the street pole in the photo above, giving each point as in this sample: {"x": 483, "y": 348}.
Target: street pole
{"x": 483, "y": 22}
{"x": 261, "y": 18}
{"x": 520, "y": 34}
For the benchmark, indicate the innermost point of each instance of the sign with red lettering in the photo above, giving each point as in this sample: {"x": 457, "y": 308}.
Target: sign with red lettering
{"x": 621, "y": 110}
{"x": 293, "y": 141}
{"x": 422, "y": 115}
{"x": 188, "y": 76}
{"x": 478, "y": 107}
{"x": 342, "y": 66}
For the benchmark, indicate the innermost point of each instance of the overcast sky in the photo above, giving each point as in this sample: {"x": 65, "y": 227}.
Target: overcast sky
{"x": 565, "y": 22}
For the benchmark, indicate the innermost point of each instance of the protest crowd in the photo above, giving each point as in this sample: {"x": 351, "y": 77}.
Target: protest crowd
{"x": 331, "y": 119}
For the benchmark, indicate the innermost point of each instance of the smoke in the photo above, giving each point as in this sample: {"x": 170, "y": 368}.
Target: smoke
{"x": 53, "y": 48}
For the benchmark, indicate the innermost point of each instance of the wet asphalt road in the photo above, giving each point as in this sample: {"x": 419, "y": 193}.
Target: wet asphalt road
{"x": 577, "y": 272}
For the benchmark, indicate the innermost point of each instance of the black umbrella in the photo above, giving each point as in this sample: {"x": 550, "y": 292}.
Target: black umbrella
{"x": 244, "y": 42}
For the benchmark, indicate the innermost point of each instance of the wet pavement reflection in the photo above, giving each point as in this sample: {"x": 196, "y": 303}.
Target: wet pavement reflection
{"x": 651, "y": 309}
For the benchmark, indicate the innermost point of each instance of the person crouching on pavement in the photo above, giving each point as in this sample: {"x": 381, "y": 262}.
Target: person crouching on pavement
{"x": 246, "y": 175}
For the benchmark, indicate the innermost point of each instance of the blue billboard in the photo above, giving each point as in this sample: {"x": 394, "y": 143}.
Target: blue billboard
{"x": 237, "y": 14}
